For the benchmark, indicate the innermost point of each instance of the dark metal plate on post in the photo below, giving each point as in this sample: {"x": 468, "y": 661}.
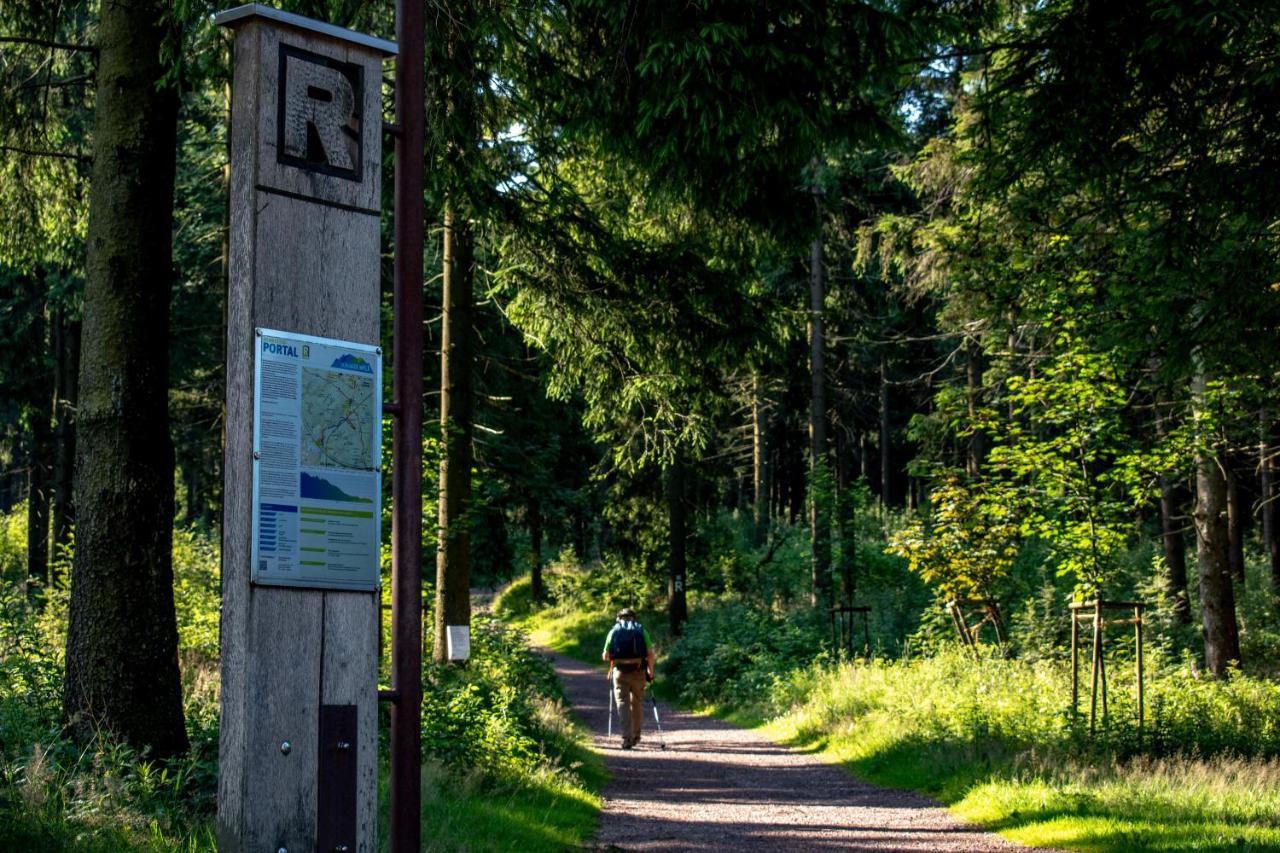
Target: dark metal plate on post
{"x": 336, "y": 788}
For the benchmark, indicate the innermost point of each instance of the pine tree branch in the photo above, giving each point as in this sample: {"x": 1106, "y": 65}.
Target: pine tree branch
{"x": 56, "y": 45}
{"x": 32, "y": 152}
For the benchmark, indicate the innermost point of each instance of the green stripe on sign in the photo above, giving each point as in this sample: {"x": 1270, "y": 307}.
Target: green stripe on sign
{"x": 316, "y": 550}
{"x": 309, "y": 530}
{"x": 340, "y": 513}
{"x": 311, "y": 562}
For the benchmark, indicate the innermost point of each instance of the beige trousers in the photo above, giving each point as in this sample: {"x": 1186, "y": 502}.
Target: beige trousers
{"x": 628, "y": 692}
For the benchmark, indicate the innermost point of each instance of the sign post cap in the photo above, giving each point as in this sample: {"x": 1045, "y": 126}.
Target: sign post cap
{"x": 231, "y": 17}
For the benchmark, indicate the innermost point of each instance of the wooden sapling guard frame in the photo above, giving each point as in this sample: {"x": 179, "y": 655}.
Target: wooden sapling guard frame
{"x": 842, "y": 616}
{"x": 1095, "y": 610}
{"x": 987, "y": 612}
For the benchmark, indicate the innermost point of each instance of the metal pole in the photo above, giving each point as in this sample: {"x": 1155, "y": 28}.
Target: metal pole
{"x": 406, "y": 448}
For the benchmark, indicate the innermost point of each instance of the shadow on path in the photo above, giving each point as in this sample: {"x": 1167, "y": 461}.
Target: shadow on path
{"x": 718, "y": 787}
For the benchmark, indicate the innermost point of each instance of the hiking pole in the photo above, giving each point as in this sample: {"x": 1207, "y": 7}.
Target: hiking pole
{"x": 609, "y": 677}
{"x": 661, "y": 739}
{"x": 611, "y": 711}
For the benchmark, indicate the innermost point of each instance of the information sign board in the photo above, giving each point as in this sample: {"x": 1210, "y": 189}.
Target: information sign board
{"x": 317, "y": 483}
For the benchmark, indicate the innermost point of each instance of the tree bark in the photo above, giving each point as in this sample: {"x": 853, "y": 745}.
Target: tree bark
{"x": 819, "y": 468}
{"x": 1237, "y": 514}
{"x": 1267, "y": 468}
{"x": 67, "y": 353}
{"x": 122, "y": 662}
{"x": 886, "y": 474}
{"x": 1175, "y": 554}
{"x": 535, "y": 549}
{"x": 760, "y": 498}
{"x": 457, "y": 410}
{"x": 677, "y": 518}
{"x": 1175, "y": 557}
{"x": 1217, "y": 597}
{"x": 973, "y": 388}
{"x": 40, "y": 450}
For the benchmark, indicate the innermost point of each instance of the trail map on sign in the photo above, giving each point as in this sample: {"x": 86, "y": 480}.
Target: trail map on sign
{"x": 337, "y": 419}
{"x": 317, "y": 441}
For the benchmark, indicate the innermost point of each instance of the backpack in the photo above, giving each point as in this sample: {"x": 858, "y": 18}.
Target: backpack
{"x": 627, "y": 641}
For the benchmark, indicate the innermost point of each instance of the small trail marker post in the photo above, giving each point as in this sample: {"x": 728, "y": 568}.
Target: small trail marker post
{"x": 1094, "y": 612}
{"x": 300, "y": 558}
{"x": 968, "y": 615}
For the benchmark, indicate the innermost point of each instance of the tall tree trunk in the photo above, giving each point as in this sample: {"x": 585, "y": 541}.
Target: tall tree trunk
{"x": 1267, "y": 469}
{"x": 760, "y": 501}
{"x": 886, "y": 472}
{"x": 677, "y": 518}
{"x": 795, "y": 486}
{"x": 1237, "y": 514}
{"x": 122, "y": 641}
{"x": 1217, "y": 598}
{"x": 1175, "y": 555}
{"x": 40, "y": 454}
{"x": 819, "y": 469}
{"x": 846, "y": 518}
{"x": 67, "y": 364}
{"x": 973, "y": 388}
{"x": 457, "y": 409}
{"x": 535, "y": 548}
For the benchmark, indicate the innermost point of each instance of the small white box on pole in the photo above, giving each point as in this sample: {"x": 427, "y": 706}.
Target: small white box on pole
{"x": 458, "y": 642}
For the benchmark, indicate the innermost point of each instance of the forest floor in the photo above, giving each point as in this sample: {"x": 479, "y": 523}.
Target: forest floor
{"x": 718, "y": 787}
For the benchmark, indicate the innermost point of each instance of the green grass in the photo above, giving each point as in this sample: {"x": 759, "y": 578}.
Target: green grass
{"x": 548, "y": 812}
{"x": 983, "y": 739}
{"x": 534, "y": 788}
{"x": 991, "y": 741}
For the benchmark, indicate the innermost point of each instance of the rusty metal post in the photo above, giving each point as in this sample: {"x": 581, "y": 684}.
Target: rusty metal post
{"x": 406, "y": 449}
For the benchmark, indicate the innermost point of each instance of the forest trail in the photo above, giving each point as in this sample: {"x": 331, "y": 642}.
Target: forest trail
{"x": 718, "y": 787}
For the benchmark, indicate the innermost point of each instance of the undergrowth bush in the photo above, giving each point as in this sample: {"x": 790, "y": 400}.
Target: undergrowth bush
{"x": 55, "y": 794}
{"x": 736, "y": 653}
{"x": 493, "y": 713}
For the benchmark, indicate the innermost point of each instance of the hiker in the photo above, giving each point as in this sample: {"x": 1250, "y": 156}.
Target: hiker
{"x": 630, "y": 655}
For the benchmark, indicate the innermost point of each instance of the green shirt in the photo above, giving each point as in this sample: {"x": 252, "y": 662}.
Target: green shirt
{"x": 648, "y": 644}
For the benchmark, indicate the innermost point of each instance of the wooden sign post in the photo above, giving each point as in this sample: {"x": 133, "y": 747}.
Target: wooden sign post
{"x": 298, "y": 749}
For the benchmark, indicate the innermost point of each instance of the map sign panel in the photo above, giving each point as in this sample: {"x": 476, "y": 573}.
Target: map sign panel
{"x": 317, "y": 437}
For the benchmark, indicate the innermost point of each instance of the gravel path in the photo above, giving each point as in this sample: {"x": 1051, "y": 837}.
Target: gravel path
{"x": 718, "y": 787}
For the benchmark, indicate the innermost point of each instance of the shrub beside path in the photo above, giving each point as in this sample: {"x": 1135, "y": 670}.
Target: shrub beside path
{"x": 720, "y": 787}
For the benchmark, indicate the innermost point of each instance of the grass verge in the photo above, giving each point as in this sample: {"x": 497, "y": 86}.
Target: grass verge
{"x": 966, "y": 735}
{"x": 544, "y": 812}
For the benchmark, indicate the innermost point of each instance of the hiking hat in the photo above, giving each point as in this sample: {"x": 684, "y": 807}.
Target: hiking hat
{"x": 626, "y": 613}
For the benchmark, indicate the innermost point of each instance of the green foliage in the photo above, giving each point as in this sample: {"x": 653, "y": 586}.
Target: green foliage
{"x": 515, "y": 601}
{"x": 197, "y": 595}
{"x": 604, "y": 587}
{"x": 506, "y": 768}
{"x": 994, "y": 741}
{"x": 104, "y": 797}
{"x": 735, "y": 653}
{"x": 13, "y": 545}
{"x": 483, "y": 715}
{"x": 968, "y": 542}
